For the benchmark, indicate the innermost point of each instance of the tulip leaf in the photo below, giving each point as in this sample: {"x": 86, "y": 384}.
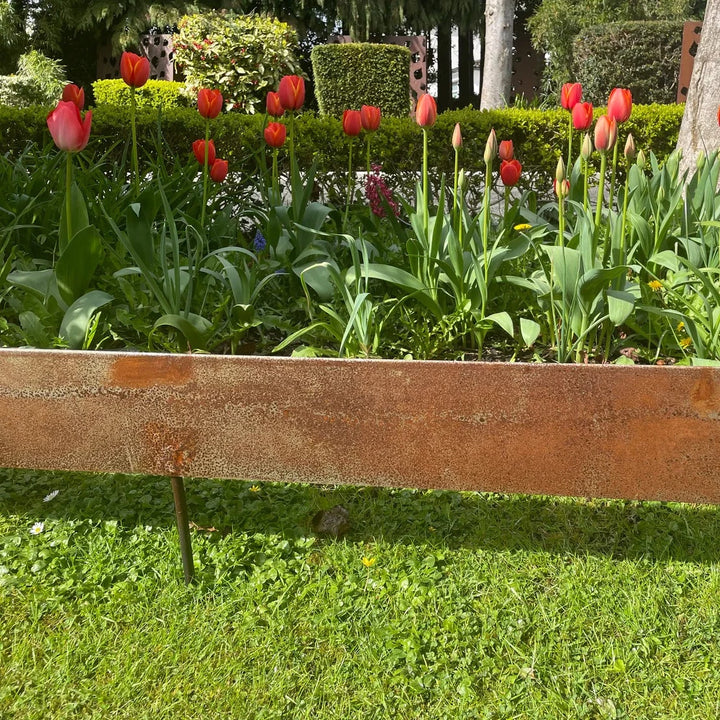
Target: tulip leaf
{"x": 75, "y": 267}
{"x": 620, "y": 305}
{"x": 195, "y": 328}
{"x": 139, "y": 234}
{"x": 77, "y": 318}
{"x": 41, "y": 282}
{"x": 503, "y": 320}
{"x": 78, "y": 218}
{"x": 529, "y": 330}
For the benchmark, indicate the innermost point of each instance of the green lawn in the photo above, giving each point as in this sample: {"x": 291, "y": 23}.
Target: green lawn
{"x": 473, "y": 606}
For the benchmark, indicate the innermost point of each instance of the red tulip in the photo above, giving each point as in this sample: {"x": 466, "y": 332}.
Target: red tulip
{"x": 605, "y": 133}
{"x": 352, "y": 122}
{"x": 570, "y": 95}
{"x": 219, "y": 170}
{"x": 199, "y": 150}
{"x": 209, "y": 103}
{"x": 135, "y": 70}
{"x": 719, "y": 116}
{"x": 370, "y": 117}
{"x": 506, "y": 150}
{"x": 69, "y": 131}
{"x": 510, "y": 172}
{"x": 620, "y": 104}
{"x": 74, "y": 94}
{"x": 562, "y": 188}
{"x": 275, "y": 134}
{"x": 273, "y": 105}
{"x": 582, "y": 115}
{"x": 426, "y": 111}
{"x": 292, "y": 92}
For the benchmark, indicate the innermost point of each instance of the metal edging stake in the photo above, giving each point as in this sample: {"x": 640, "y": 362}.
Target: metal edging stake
{"x": 183, "y": 525}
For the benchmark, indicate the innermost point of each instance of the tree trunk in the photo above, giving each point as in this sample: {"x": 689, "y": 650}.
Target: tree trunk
{"x": 497, "y": 53}
{"x": 699, "y": 131}
{"x": 466, "y": 68}
{"x": 444, "y": 67}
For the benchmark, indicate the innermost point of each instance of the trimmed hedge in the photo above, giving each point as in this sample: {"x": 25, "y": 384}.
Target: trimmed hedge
{"x": 350, "y": 75}
{"x": 155, "y": 94}
{"x": 641, "y": 56}
{"x": 539, "y": 136}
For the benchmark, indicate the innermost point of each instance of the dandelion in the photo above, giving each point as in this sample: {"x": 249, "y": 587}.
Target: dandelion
{"x": 254, "y": 488}
{"x": 368, "y": 562}
{"x": 51, "y": 496}
{"x": 522, "y": 226}
{"x": 685, "y": 343}
{"x": 681, "y": 327}
{"x": 37, "y": 528}
{"x": 655, "y": 285}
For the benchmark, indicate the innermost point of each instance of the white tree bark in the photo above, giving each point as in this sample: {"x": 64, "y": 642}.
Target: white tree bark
{"x": 699, "y": 131}
{"x": 497, "y": 54}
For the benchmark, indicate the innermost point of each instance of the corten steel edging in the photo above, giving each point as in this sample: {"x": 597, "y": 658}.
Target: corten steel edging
{"x": 601, "y": 431}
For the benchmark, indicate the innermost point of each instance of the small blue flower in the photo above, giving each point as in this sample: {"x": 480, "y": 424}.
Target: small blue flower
{"x": 259, "y": 242}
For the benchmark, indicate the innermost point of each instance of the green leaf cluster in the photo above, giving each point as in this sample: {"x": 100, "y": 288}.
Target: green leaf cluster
{"x": 243, "y": 56}
{"x": 39, "y": 81}
{"x": 641, "y": 56}
{"x": 350, "y": 75}
{"x": 154, "y": 94}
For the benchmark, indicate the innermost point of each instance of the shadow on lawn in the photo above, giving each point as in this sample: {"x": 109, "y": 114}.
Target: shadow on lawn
{"x": 488, "y": 521}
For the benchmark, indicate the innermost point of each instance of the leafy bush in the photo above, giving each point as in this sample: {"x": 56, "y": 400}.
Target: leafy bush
{"x": 243, "y": 56}
{"x": 39, "y": 81}
{"x": 354, "y": 74}
{"x": 642, "y": 56}
{"x": 155, "y": 93}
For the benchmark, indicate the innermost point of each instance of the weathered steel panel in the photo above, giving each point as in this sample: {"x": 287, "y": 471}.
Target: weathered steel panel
{"x": 603, "y": 431}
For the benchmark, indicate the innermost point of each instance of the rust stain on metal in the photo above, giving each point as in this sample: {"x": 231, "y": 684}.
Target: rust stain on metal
{"x": 638, "y": 432}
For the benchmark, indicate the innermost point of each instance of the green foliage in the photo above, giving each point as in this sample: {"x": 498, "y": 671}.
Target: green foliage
{"x": 243, "y": 56}
{"x": 39, "y": 81}
{"x": 556, "y": 24}
{"x": 350, "y": 75}
{"x": 642, "y": 56}
{"x": 154, "y": 94}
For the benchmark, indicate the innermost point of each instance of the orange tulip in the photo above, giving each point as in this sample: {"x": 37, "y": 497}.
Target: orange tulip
{"x": 605, "y": 133}
{"x": 370, "y": 117}
{"x": 352, "y": 122}
{"x": 275, "y": 134}
{"x": 209, "y": 103}
{"x": 620, "y": 104}
{"x": 69, "y": 131}
{"x": 273, "y": 105}
{"x": 292, "y": 92}
{"x": 582, "y": 115}
{"x": 74, "y": 94}
{"x": 506, "y": 151}
{"x": 510, "y": 172}
{"x": 134, "y": 70}
{"x": 219, "y": 170}
{"x": 570, "y": 95}
{"x": 426, "y": 111}
{"x": 199, "y": 150}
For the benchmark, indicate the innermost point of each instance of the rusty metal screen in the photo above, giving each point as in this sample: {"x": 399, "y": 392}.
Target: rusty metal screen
{"x": 602, "y": 431}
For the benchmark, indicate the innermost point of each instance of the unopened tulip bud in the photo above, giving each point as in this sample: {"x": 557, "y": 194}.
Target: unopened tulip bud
{"x": 700, "y": 162}
{"x": 641, "y": 160}
{"x": 586, "y": 150}
{"x": 491, "y": 148}
{"x": 560, "y": 170}
{"x": 461, "y": 180}
{"x": 457, "y": 137}
{"x": 630, "y": 148}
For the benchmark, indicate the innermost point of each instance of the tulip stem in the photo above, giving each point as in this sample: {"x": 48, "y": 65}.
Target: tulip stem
{"x": 136, "y": 171}
{"x": 68, "y": 196}
{"x": 570, "y": 134}
{"x": 275, "y": 183}
{"x": 426, "y": 212}
{"x": 601, "y": 192}
{"x": 205, "y": 174}
{"x": 349, "y": 185}
{"x": 455, "y": 181}
{"x": 614, "y": 170}
{"x": 367, "y": 153}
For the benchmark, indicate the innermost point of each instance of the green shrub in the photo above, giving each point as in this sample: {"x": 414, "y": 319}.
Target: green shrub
{"x": 39, "y": 81}
{"x": 642, "y": 56}
{"x": 155, "y": 93}
{"x": 350, "y": 75}
{"x": 243, "y": 56}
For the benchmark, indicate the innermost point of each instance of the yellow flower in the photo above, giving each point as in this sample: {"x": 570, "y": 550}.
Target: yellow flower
{"x": 368, "y": 561}
{"x": 686, "y": 342}
{"x": 522, "y": 226}
{"x": 655, "y": 285}
{"x": 681, "y": 326}
{"x": 254, "y": 488}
